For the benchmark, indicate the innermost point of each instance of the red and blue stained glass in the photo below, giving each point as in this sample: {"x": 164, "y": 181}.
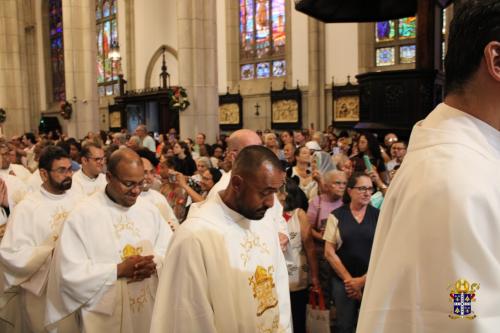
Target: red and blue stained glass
{"x": 57, "y": 50}
{"x": 408, "y": 27}
{"x": 262, "y": 29}
{"x": 278, "y": 26}
{"x": 247, "y": 37}
{"x": 384, "y": 31}
{"x": 262, "y": 37}
{"x": 107, "y": 33}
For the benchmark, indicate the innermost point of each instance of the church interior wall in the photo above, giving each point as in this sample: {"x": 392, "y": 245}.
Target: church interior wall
{"x": 155, "y": 25}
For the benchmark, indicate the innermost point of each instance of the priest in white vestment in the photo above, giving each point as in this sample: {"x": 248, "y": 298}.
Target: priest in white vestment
{"x": 155, "y": 197}
{"x": 225, "y": 271}
{"x": 236, "y": 142}
{"x": 90, "y": 179}
{"x": 105, "y": 263}
{"x": 30, "y": 237}
{"x": 435, "y": 261}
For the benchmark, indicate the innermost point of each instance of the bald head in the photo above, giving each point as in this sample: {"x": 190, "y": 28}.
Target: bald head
{"x": 252, "y": 158}
{"x": 124, "y": 156}
{"x": 241, "y": 139}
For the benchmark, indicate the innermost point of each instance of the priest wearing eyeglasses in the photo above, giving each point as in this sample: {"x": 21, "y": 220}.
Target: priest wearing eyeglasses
{"x": 105, "y": 265}
{"x": 90, "y": 179}
{"x": 31, "y": 234}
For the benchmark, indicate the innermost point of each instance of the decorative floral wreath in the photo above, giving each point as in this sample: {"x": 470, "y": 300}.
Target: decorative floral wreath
{"x": 178, "y": 98}
{"x": 66, "y": 109}
{"x": 3, "y": 115}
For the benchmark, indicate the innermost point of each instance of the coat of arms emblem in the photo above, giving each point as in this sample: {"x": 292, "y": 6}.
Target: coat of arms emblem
{"x": 462, "y": 295}
{"x": 263, "y": 289}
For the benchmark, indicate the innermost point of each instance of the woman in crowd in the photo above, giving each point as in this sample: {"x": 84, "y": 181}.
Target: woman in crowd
{"x": 217, "y": 155}
{"x": 176, "y": 196}
{"x": 202, "y": 164}
{"x": 301, "y": 257}
{"x": 348, "y": 241}
{"x": 368, "y": 145}
{"x": 183, "y": 161}
{"x": 208, "y": 179}
{"x": 286, "y": 137}
{"x": 302, "y": 169}
{"x": 271, "y": 142}
{"x": 334, "y": 185}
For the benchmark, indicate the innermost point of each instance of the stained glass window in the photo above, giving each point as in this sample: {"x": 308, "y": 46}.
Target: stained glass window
{"x": 107, "y": 34}
{"x": 262, "y": 38}
{"x": 384, "y": 31}
{"x": 385, "y": 56}
{"x": 279, "y": 68}
{"x": 263, "y": 70}
{"x": 247, "y": 72}
{"x": 395, "y": 42}
{"x": 407, "y": 54}
{"x": 407, "y": 27}
{"x": 57, "y": 50}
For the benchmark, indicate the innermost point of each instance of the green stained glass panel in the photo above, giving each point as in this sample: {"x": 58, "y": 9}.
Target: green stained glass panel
{"x": 408, "y": 27}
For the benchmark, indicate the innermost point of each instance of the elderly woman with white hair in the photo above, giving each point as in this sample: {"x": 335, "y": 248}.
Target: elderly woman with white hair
{"x": 271, "y": 142}
{"x": 334, "y": 186}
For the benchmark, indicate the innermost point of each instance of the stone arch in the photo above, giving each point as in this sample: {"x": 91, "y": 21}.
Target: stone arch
{"x": 154, "y": 59}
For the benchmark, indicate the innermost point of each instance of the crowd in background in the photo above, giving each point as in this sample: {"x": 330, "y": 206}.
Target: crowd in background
{"x": 336, "y": 179}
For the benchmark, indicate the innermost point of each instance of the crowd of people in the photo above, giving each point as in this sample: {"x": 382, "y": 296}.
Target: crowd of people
{"x": 44, "y": 180}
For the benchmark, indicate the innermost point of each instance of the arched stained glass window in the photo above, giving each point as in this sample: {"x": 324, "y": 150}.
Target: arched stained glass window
{"x": 395, "y": 42}
{"x": 262, "y": 39}
{"x": 56, "y": 50}
{"x": 107, "y": 35}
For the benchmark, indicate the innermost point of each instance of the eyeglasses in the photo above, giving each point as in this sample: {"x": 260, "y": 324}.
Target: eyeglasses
{"x": 97, "y": 159}
{"x": 63, "y": 171}
{"x": 363, "y": 189}
{"x": 338, "y": 182}
{"x": 129, "y": 185}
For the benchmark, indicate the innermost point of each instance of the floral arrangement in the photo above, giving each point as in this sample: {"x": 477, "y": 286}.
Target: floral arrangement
{"x": 66, "y": 109}
{"x": 178, "y": 99}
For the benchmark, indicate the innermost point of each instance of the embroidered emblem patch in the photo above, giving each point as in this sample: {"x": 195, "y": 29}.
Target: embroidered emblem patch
{"x": 462, "y": 295}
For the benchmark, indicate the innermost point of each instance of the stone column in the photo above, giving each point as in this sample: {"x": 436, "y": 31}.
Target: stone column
{"x": 14, "y": 97}
{"x": 197, "y": 43}
{"x": 316, "y": 90}
{"x": 80, "y": 52}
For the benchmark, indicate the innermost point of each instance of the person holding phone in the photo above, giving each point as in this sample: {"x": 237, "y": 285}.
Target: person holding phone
{"x": 303, "y": 171}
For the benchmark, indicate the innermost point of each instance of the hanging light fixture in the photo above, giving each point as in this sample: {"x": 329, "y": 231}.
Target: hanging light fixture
{"x": 114, "y": 51}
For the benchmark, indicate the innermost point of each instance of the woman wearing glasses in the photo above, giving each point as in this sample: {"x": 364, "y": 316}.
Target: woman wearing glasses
{"x": 348, "y": 242}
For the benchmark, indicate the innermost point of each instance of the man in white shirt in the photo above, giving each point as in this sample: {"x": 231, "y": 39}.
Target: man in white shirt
{"x": 398, "y": 152}
{"x": 435, "y": 261}
{"x": 15, "y": 189}
{"x": 105, "y": 262}
{"x": 225, "y": 271}
{"x": 142, "y": 132}
{"x": 90, "y": 179}
{"x": 32, "y": 231}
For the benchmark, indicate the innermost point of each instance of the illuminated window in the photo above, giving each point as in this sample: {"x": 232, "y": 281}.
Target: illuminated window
{"x": 262, "y": 39}
{"x": 56, "y": 50}
{"x": 107, "y": 34}
{"x": 395, "y": 42}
